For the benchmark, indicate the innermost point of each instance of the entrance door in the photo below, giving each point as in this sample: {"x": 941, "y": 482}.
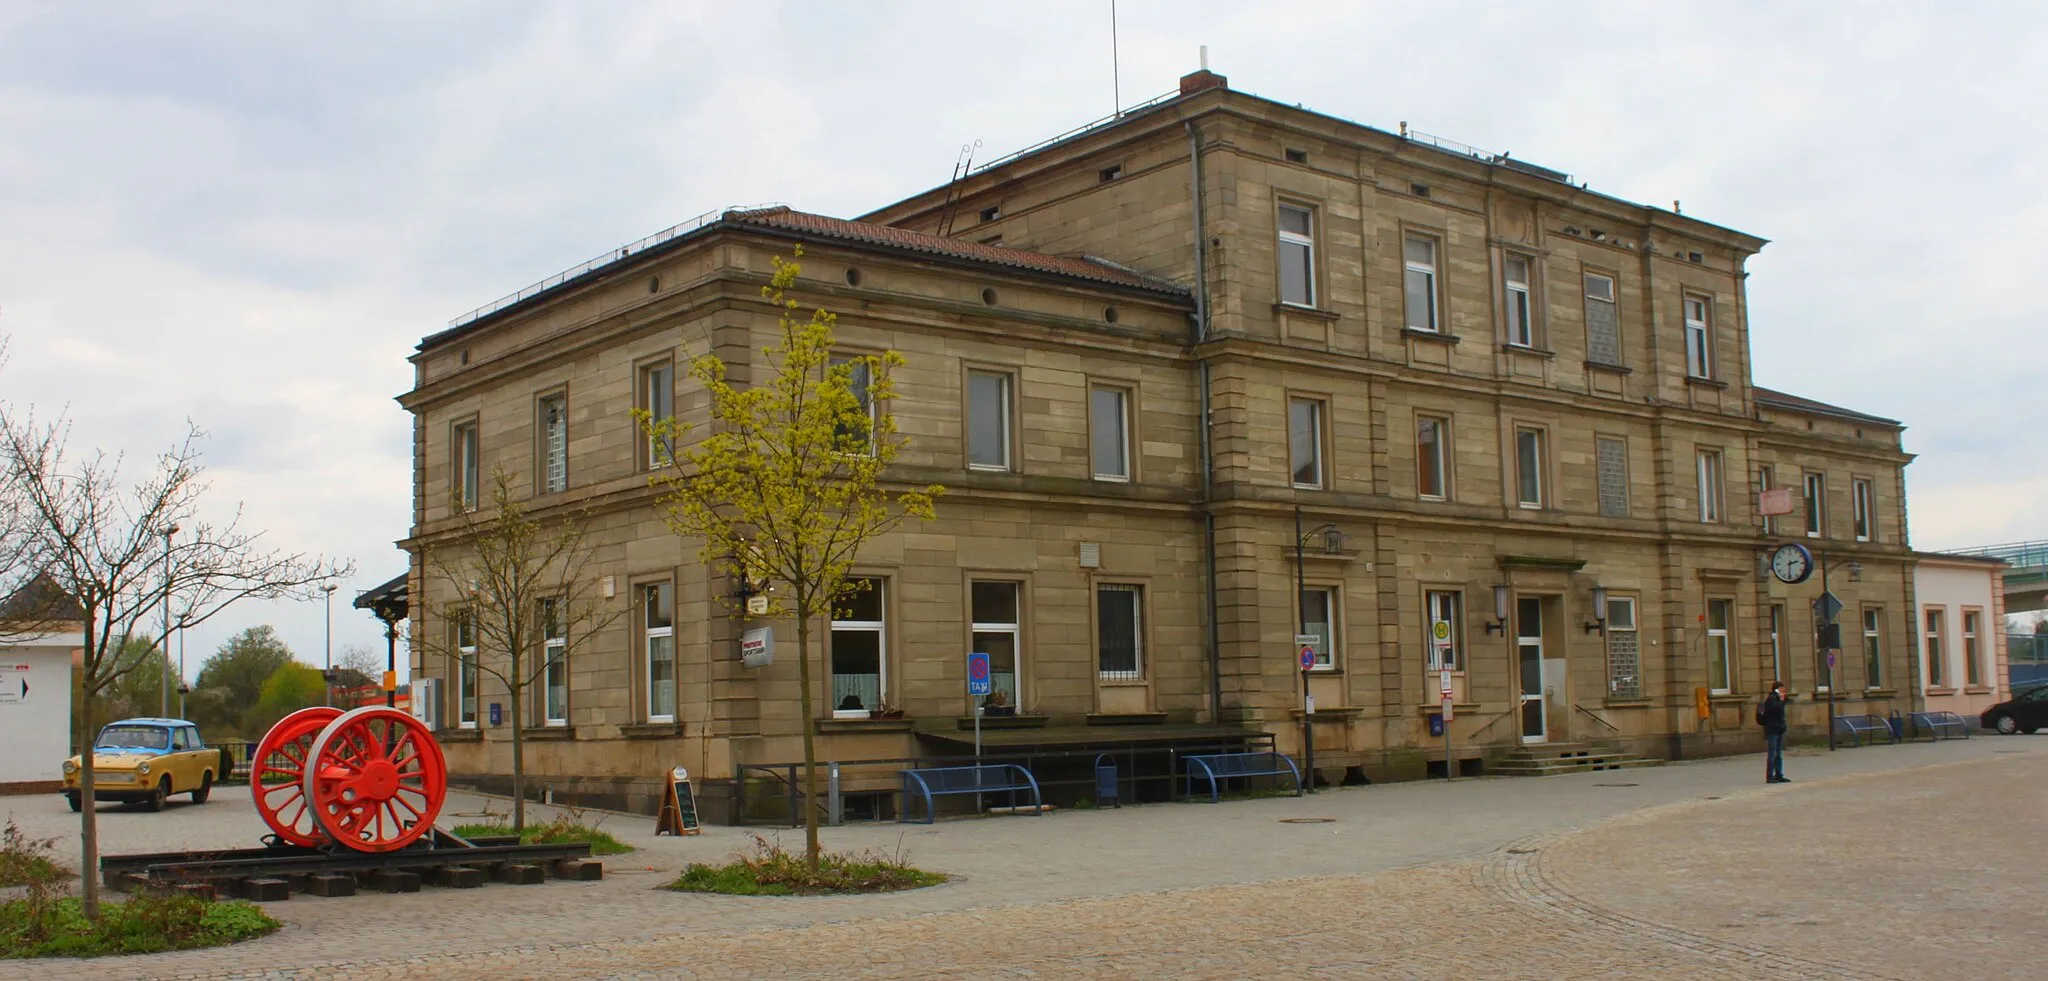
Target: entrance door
{"x": 1529, "y": 665}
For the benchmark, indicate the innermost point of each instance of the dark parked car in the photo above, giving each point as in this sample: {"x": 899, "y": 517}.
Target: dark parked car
{"x": 2026, "y": 711}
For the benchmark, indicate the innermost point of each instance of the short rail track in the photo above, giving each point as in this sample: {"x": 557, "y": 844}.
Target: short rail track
{"x": 277, "y": 870}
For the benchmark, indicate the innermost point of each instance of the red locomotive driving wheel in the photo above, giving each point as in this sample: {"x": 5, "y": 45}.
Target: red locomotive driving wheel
{"x": 376, "y": 779}
{"x": 277, "y": 773}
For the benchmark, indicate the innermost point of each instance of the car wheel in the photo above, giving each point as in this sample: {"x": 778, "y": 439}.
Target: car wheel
{"x": 205, "y": 788}
{"x": 161, "y": 795}
{"x": 2006, "y": 725}
{"x": 73, "y": 800}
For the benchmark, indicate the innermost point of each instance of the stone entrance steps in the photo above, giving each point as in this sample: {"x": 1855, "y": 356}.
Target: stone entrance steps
{"x": 1545, "y": 759}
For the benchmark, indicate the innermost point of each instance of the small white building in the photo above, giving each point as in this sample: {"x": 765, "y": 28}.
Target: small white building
{"x": 1959, "y": 625}
{"x": 35, "y": 694}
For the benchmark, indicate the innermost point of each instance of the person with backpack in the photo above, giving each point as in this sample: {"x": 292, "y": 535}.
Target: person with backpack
{"x": 1771, "y": 715}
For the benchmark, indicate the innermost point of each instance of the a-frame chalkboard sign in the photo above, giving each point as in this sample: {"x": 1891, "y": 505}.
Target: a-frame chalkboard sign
{"x": 678, "y": 807}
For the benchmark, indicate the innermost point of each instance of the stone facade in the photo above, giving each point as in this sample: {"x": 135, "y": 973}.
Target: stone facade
{"x": 1318, "y": 293}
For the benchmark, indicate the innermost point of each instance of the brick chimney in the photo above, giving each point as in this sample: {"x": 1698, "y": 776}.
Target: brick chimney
{"x": 1202, "y": 80}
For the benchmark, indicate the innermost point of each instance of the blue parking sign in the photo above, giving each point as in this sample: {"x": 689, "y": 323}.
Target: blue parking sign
{"x": 978, "y": 682}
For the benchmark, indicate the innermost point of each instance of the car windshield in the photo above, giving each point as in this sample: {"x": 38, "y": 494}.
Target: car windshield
{"x": 134, "y": 737}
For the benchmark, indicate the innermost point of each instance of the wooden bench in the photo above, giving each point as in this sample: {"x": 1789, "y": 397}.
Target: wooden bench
{"x": 1215, "y": 766}
{"x": 941, "y": 781}
{"x": 1856, "y": 727}
{"x": 1939, "y": 725}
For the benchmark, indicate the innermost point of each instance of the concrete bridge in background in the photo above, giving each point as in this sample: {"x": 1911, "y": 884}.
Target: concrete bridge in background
{"x": 2026, "y": 582}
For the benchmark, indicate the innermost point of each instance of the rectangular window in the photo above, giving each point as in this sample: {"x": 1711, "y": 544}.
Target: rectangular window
{"x": 860, "y": 665}
{"x": 1778, "y": 641}
{"x": 1305, "y": 442}
{"x": 1319, "y": 617}
{"x": 988, "y": 420}
{"x": 1611, "y": 458}
{"x": 1515, "y": 290}
{"x": 1432, "y": 458}
{"x": 1297, "y": 256}
{"x": 1603, "y": 325}
{"x": 1119, "y": 633}
{"x": 1446, "y": 640}
{"x": 465, "y": 669}
{"x": 857, "y": 436}
{"x": 1816, "y": 504}
{"x": 1861, "y": 494}
{"x": 1973, "y": 665}
{"x": 1418, "y": 282}
{"x": 553, "y": 416}
{"x": 1529, "y": 467}
{"x": 1720, "y": 659}
{"x": 1873, "y": 647}
{"x": 1624, "y": 649}
{"x": 658, "y": 632}
{"x": 468, "y": 472}
{"x": 1936, "y": 671}
{"x": 1766, "y": 480}
{"x": 1109, "y": 433}
{"x": 1699, "y": 356}
{"x": 1710, "y": 486}
{"x": 998, "y": 632}
{"x": 658, "y": 399}
{"x": 554, "y": 708}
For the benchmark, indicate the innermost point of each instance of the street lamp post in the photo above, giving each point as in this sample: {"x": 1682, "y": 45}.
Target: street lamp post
{"x": 165, "y": 708}
{"x": 327, "y": 676}
{"x": 1830, "y": 640}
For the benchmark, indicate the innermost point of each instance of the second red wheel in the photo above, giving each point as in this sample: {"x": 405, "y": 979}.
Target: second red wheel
{"x": 376, "y": 779}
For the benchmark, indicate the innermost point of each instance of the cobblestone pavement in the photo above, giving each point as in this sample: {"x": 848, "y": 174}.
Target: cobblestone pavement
{"x": 1887, "y": 862}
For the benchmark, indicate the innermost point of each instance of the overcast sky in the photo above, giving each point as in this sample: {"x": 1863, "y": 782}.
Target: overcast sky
{"x": 247, "y": 215}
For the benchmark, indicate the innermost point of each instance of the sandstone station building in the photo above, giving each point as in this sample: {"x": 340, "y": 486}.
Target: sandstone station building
{"x": 1140, "y": 357}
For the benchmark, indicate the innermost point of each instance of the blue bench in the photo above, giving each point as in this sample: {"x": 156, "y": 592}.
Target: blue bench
{"x": 940, "y": 781}
{"x": 1939, "y": 725}
{"x": 1215, "y": 766}
{"x": 1856, "y": 727}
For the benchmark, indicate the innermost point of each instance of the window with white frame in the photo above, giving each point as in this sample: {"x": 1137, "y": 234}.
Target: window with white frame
{"x": 1973, "y": 664}
{"x": 466, "y": 670}
{"x": 860, "y": 379}
{"x": 1710, "y": 486}
{"x": 466, "y": 467}
{"x": 658, "y": 662}
{"x": 1432, "y": 458}
{"x": 860, "y": 647}
{"x": 1934, "y": 617}
{"x": 1873, "y": 647}
{"x": 1515, "y": 293}
{"x": 998, "y": 632}
{"x": 554, "y": 633}
{"x": 1119, "y": 631}
{"x": 553, "y": 415}
{"x": 657, "y": 398}
{"x": 1603, "y": 324}
{"x": 1418, "y": 282}
{"x": 1319, "y": 618}
{"x": 1445, "y": 641}
{"x": 1816, "y": 504}
{"x": 1305, "y": 442}
{"x": 1699, "y": 349}
{"x": 1720, "y": 656}
{"x": 1624, "y": 649}
{"x": 1778, "y": 641}
{"x": 1529, "y": 458}
{"x": 1861, "y": 493}
{"x": 988, "y": 420}
{"x": 1610, "y": 460}
{"x": 1109, "y": 432}
{"x": 1297, "y": 256}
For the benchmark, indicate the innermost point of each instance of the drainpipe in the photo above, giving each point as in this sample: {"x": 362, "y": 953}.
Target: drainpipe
{"x": 1201, "y": 329}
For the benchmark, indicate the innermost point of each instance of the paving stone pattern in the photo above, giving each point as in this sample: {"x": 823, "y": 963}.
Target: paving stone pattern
{"x": 1888, "y": 862}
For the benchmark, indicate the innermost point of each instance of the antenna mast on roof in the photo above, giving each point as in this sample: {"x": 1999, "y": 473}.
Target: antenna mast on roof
{"x": 952, "y": 205}
{"x": 1116, "y": 95}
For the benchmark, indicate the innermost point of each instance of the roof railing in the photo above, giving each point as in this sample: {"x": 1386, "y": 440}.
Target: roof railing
{"x": 2021, "y": 554}
{"x": 1078, "y": 130}
{"x": 1498, "y": 159}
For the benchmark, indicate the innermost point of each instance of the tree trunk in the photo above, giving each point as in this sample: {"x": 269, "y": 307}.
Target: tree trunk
{"x": 88, "y": 816}
{"x": 517, "y": 688}
{"x": 810, "y": 724}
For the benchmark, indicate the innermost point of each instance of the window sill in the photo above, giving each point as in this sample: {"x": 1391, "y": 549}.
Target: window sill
{"x": 1122, "y": 682}
{"x": 1619, "y": 369}
{"x": 1430, "y": 335}
{"x": 651, "y": 730}
{"x": 1696, "y": 380}
{"x": 548, "y": 734}
{"x": 1976, "y": 690}
{"x": 459, "y": 736}
{"x": 1536, "y": 352}
{"x": 843, "y": 726}
{"x": 1631, "y": 702}
{"x": 1299, "y": 310}
{"x": 1728, "y": 698}
{"x": 1431, "y": 707}
{"x": 1940, "y": 690}
{"x": 1880, "y": 693}
{"x": 1334, "y": 714}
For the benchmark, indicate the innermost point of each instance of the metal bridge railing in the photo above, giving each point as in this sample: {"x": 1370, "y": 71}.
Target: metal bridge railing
{"x": 2020, "y": 554}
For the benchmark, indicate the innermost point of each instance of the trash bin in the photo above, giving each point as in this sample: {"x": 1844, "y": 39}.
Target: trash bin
{"x": 1105, "y": 782}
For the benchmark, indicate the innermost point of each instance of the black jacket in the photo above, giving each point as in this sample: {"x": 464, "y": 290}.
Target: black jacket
{"x": 1772, "y": 713}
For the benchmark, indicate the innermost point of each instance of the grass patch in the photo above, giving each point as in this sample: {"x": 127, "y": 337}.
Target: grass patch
{"x": 39, "y": 926}
{"x": 771, "y": 871}
{"x": 559, "y": 831}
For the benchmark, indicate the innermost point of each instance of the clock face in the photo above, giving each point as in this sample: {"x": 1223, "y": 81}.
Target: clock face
{"x": 1792, "y": 563}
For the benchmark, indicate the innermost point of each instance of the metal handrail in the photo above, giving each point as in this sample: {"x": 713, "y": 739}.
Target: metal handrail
{"x": 1078, "y": 130}
{"x": 1589, "y": 714}
{"x": 1512, "y": 709}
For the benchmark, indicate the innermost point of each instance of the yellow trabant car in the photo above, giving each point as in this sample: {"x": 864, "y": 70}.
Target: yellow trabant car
{"x": 146, "y": 761}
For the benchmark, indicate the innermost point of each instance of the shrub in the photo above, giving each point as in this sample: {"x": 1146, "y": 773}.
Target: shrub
{"x": 25, "y": 861}
{"x": 771, "y": 871}
{"x": 39, "y": 926}
{"x": 561, "y": 830}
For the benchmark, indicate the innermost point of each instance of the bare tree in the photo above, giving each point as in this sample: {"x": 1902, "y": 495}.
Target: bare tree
{"x": 523, "y": 593}
{"x": 118, "y": 549}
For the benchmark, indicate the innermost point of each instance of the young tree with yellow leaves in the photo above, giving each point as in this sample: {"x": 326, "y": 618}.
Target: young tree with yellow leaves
{"x": 790, "y": 476}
